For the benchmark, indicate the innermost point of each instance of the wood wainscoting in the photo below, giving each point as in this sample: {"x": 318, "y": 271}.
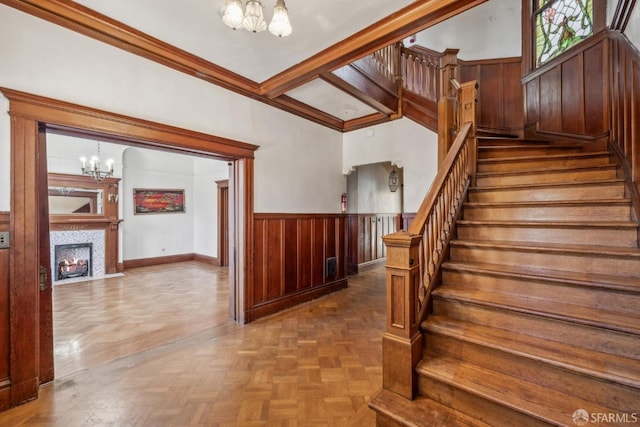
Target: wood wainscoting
{"x": 500, "y": 99}
{"x": 291, "y": 261}
{"x": 364, "y": 243}
{"x": 5, "y": 374}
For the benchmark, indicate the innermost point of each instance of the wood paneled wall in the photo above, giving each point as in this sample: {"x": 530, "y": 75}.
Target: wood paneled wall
{"x": 500, "y": 97}
{"x": 625, "y": 101}
{"x": 569, "y": 96}
{"x": 364, "y": 243}
{"x": 5, "y": 374}
{"x": 291, "y": 251}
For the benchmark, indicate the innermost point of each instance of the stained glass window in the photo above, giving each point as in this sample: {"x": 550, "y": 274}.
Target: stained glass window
{"x": 561, "y": 24}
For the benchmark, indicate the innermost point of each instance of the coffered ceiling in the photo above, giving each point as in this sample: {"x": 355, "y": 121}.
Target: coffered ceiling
{"x": 189, "y": 35}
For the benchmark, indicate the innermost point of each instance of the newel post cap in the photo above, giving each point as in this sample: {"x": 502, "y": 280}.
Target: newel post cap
{"x": 401, "y": 239}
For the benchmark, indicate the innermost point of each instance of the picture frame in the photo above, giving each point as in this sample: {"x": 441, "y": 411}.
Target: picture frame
{"x": 158, "y": 201}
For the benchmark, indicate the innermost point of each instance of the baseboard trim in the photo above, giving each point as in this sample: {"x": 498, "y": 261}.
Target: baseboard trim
{"x": 207, "y": 259}
{"x": 147, "y": 262}
{"x": 289, "y": 301}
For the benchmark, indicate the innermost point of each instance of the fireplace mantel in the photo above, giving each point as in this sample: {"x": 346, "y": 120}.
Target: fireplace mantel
{"x": 106, "y": 220}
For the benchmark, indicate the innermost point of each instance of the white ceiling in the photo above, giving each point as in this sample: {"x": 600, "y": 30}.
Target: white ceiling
{"x": 196, "y": 27}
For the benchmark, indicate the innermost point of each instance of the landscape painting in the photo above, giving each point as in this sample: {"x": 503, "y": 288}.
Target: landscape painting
{"x": 147, "y": 201}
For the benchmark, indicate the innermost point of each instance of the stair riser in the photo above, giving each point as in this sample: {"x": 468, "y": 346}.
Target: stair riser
{"x": 542, "y": 163}
{"x": 616, "y": 397}
{"x": 619, "y": 237}
{"x": 504, "y": 152}
{"x": 581, "y": 336}
{"x": 489, "y": 412}
{"x": 585, "y": 212}
{"x": 587, "y": 263}
{"x": 583, "y": 192}
{"x": 600, "y": 299}
{"x": 548, "y": 177}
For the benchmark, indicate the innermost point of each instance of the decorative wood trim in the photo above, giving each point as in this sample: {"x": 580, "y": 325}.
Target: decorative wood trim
{"x": 5, "y": 220}
{"x": 206, "y": 259}
{"x": 365, "y": 121}
{"x": 91, "y": 122}
{"x": 161, "y": 260}
{"x": 416, "y": 17}
{"x": 413, "y": 18}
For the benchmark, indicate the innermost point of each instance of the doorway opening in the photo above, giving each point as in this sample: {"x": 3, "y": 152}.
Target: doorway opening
{"x": 32, "y": 117}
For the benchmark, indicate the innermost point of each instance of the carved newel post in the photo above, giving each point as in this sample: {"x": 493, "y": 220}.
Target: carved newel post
{"x": 402, "y": 342}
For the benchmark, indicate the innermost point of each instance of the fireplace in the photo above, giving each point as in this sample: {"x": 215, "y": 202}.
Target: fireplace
{"x": 73, "y": 260}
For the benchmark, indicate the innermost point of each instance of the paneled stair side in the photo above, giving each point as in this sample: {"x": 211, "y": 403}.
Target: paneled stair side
{"x": 538, "y": 312}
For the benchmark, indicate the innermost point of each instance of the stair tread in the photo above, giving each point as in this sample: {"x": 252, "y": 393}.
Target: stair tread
{"x": 545, "y": 170}
{"x": 554, "y": 224}
{"x": 633, "y": 253}
{"x": 548, "y": 185}
{"x": 596, "y": 317}
{"x": 416, "y": 412}
{"x": 539, "y": 402}
{"x": 618, "y": 283}
{"x": 540, "y": 156}
{"x": 547, "y": 203}
{"x": 582, "y": 360}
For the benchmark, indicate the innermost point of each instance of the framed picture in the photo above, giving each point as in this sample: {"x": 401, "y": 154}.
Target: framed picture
{"x": 147, "y": 201}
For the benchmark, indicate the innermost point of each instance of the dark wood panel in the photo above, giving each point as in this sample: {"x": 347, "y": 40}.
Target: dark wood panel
{"x": 364, "y": 235}
{"x": 595, "y": 90}
{"x": 317, "y": 250}
{"x": 500, "y": 94}
{"x": 551, "y": 100}
{"x": 5, "y": 373}
{"x": 257, "y": 292}
{"x": 290, "y": 257}
{"x": 572, "y": 93}
{"x": 304, "y": 253}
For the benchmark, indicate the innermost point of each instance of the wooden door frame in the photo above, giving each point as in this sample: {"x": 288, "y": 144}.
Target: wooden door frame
{"x": 28, "y": 113}
{"x": 223, "y": 215}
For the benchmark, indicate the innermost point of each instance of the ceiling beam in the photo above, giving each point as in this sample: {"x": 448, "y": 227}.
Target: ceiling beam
{"x": 351, "y": 81}
{"x": 416, "y": 17}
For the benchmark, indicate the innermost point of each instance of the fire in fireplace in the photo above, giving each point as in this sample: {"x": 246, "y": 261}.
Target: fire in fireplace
{"x": 69, "y": 268}
{"x": 73, "y": 260}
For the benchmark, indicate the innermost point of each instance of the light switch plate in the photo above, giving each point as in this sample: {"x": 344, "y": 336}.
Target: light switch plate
{"x": 4, "y": 239}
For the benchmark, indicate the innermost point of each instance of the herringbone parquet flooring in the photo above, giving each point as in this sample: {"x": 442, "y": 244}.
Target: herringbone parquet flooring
{"x": 156, "y": 348}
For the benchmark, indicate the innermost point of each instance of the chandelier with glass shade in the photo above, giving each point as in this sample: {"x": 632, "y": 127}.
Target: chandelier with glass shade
{"x": 93, "y": 168}
{"x": 251, "y": 17}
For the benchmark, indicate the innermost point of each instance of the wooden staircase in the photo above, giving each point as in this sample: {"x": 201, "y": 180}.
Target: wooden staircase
{"x": 538, "y": 312}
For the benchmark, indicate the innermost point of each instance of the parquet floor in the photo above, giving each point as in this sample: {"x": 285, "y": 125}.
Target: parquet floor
{"x": 156, "y": 348}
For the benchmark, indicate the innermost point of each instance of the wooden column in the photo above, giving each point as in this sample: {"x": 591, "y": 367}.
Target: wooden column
{"x": 402, "y": 341}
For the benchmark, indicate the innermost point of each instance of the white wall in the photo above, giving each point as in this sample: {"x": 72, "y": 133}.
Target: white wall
{"x": 633, "y": 27}
{"x": 490, "y": 30}
{"x": 155, "y": 235}
{"x": 298, "y": 165}
{"x": 369, "y": 190}
{"x": 402, "y": 142}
